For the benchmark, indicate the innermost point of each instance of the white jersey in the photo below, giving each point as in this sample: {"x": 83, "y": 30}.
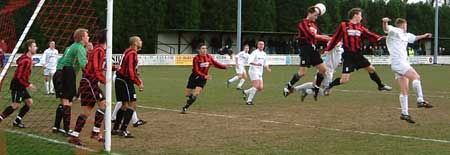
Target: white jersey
{"x": 257, "y": 57}
{"x": 50, "y": 58}
{"x": 242, "y": 58}
{"x": 397, "y": 42}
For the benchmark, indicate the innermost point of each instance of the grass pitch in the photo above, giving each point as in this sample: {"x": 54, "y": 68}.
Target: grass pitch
{"x": 355, "y": 119}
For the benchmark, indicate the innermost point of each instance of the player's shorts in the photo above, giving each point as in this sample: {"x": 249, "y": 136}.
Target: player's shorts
{"x": 400, "y": 68}
{"x": 90, "y": 92}
{"x": 69, "y": 87}
{"x": 195, "y": 81}
{"x": 57, "y": 83}
{"x": 309, "y": 56}
{"x": 17, "y": 96}
{"x": 124, "y": 89}
{"x": 240, "y": 69}
{"x": 48, "y": 72}
{"x": 353, "y": 60}
{"x": 255, "y": 76}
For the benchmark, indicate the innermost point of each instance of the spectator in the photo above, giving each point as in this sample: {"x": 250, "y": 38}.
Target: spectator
{"x": 4, "y": 46}
{"x": 226, "y": 50}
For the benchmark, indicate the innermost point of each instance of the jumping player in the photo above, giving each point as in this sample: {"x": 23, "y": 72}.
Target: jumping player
{"x": 308, "y": 36}
{"x": 397, "y": 42}
{"x": 350, "y": 33}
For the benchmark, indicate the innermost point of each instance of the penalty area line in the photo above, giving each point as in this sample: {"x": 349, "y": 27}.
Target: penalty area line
{"x": 309, "y": 126}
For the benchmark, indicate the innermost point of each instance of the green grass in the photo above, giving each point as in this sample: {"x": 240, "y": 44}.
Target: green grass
{"x": 220, "y": 123}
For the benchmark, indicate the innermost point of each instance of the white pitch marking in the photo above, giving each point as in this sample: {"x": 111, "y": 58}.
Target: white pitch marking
{"x": 311, "y": 126}
{"x": 52, "y": 140}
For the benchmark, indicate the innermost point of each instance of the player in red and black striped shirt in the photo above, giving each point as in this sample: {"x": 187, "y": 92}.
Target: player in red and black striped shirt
{"x": 308, "y": 37}
{"x": 19, "y": 85}
{"x": 90, "y": 92}
{"x": 199, "y": 75}
{"x": 126, "y": 77}
{"x": 351, "y": 33}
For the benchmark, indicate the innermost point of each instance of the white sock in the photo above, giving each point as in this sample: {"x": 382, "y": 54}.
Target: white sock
{"x": 304, "y": 86}
{"x": 251, "y": 93}
{"x": 233, "y": 79}
{"x": 134, "y": 118}
{"x": 404, "y": 104}
{"x": 241, "y": 83}
{"x": 116, "y": 109}
{"x": 52, "y": 87}
{"x": 418, "y": 88}
{"x": 46, "y": 87}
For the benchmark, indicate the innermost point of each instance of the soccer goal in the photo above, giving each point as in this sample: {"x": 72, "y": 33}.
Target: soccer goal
{"x": 50, "y": 20}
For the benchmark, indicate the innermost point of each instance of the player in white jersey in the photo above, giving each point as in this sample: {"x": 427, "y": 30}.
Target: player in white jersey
{"x": 257, "y": 62}
{"x": 241, "y": 59}
{"x": 332, "y": 60}
{"x": 49, "y": 60}
{"x": 397, "y": 42}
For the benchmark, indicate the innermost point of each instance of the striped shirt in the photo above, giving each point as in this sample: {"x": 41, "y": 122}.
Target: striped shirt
{"x": 201, "y": 64}
{"x": 94, "y": 67}
{"x": 307, "y": 31}
{"x": 129, "y": 65}
{"x": 23, "y": 72}
{"x": 351, "y": 35}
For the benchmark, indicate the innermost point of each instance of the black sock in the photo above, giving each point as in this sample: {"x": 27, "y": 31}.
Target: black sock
{"x": 190, "y": 101}
{"x": 58, "y": 116}
{"x": 335, "y": 82}
{"x": 80, "y": 123}
{"x": 8, "y": 111}
{"x": 294, "y": 79}
{"x": 99, "y": 116}
{"x": 374, "y": 76}
{"x": 126, "y": 119}
{"x": 119, "y": 118}
{"x": 23, "y": 111}
{"x": 319, "y": 79}
{"x": 67, "y": 112}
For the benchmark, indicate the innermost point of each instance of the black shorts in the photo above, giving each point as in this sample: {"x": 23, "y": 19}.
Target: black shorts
{"x": 68, "y": 82}
{"x": 309, "y": 56}
{"x": 124, "y": 89}
{"x": 195, "y": 81}
{"x": 57, "y": 83}
{"x": 353, "y": 60}
{"x": 17, "y": 96}
{"x": 90, "y": 92}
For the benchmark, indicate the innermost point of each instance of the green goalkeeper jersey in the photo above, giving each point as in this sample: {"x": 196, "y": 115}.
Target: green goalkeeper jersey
{"x": 60, "y": 63}
{"x": 75, "y": 56}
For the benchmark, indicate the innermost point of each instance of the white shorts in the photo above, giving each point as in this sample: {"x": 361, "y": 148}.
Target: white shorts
{"x": 400, "y": 68}
{"x": 255, "y": 76}
{"x": 48, "y": 71}
{"x": 240, "y": 69}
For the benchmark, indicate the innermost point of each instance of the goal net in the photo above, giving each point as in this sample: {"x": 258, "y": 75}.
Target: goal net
{"x": 47, "y": 20}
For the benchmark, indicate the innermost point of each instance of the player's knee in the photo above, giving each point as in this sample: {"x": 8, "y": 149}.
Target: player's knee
{"x": 344, "y": 80}
{"x": 301, "y": 73}
{"x": 371, "y": 69}
{"x": 259, "y": 88}
{"x": 29, "y": 102}
{"x": 15, "y": 105}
